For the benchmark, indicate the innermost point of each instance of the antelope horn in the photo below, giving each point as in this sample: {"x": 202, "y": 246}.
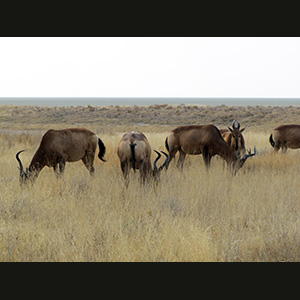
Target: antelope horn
{"x": 238, "y": 124}
{"x": 23, "y": 175}
{"x": 20, "y": 163}
{"x": 158, "y": 157}
{"x": 165, "y": 162}
{"x": 249, "y": 153}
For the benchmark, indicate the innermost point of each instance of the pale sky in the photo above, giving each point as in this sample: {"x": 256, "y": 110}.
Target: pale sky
{"x": 150, "y": 67}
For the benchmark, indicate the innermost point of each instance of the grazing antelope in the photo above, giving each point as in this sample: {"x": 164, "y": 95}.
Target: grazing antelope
{"x": 60, "y": 146}
{"x": 285, "y": 136}
{"x": 134, "y": 151}
{"x": 205, "y": 140}
{"x": 234, "y": 138}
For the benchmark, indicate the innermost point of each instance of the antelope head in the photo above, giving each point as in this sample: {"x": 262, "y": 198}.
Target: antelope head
{"x": 241, "y": 160}
{"x": 236, "y": 132}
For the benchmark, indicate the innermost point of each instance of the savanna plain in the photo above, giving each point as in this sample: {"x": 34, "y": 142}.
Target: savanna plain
{"x": 189, "y": 216}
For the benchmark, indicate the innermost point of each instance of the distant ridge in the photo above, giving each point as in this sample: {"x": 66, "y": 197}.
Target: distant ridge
{"x": 105, "y": 101}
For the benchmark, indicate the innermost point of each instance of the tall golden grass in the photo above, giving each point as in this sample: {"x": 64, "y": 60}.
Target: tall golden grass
{"x": 192, "y": 215}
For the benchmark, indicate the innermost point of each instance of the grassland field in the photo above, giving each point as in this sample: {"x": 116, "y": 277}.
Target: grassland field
{"x": 191, "y": 215}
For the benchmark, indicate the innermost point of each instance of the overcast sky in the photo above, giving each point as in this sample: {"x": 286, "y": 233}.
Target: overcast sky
{"x": 149, "y": 67}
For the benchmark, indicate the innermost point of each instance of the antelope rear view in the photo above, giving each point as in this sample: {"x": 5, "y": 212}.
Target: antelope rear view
{"x": 134, "y": 151}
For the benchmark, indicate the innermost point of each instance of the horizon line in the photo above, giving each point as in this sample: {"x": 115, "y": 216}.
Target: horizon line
{"x": 88, "y": 97}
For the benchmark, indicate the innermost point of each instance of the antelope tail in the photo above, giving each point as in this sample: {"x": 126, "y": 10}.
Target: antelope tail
{"x": 271, "y": 140}
{"x": 132, "y": 146}
{"x": 101, "y": 149}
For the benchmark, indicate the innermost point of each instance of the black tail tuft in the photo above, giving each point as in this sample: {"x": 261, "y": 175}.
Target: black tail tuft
{"x": 166, "y": 144}
{"x": 101, "y": 150}
{"x": 271, "y": 140}
{"x": 133, "y": 156}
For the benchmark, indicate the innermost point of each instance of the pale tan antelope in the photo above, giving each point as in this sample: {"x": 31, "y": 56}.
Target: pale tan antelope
{"x": 60, "y": 146}
{"x": 205, "y": 140}
{"x": 285, "y": 136}
{"x": 134, "y": 151}
{"x": 234, "y": 138}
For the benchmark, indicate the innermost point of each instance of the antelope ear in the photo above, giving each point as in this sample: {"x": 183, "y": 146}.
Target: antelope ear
{"x": 230, "y": 129}
{"x": 243, "y": 129}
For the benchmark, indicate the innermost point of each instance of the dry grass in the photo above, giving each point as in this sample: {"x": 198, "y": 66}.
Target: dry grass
{"x": 192, "y": 215}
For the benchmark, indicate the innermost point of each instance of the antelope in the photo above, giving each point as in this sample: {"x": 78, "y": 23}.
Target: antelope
{"x": 134, "y": 151}
{"x": 60, "y": 146}
{"x": 285, "y": 136}
{"x": 234, "y": 138}
{"x": 205, "y": 140}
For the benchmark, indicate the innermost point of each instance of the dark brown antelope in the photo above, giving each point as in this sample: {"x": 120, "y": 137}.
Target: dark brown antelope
{"x": 205, "y": 140}
{"x": 285, "y": 136}
{"x": 134, "y": 151}
{"x": 234, "y": 138}
{"x": 60, "y": 146}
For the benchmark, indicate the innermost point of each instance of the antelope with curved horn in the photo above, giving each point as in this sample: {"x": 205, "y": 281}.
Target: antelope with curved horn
{"x": 60, "y": 146}
{"x": 134, "y": 151}
{"x": 205, "y": 140}
{"x": 285, "y": 136}
{"x": 234, "y": 138}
